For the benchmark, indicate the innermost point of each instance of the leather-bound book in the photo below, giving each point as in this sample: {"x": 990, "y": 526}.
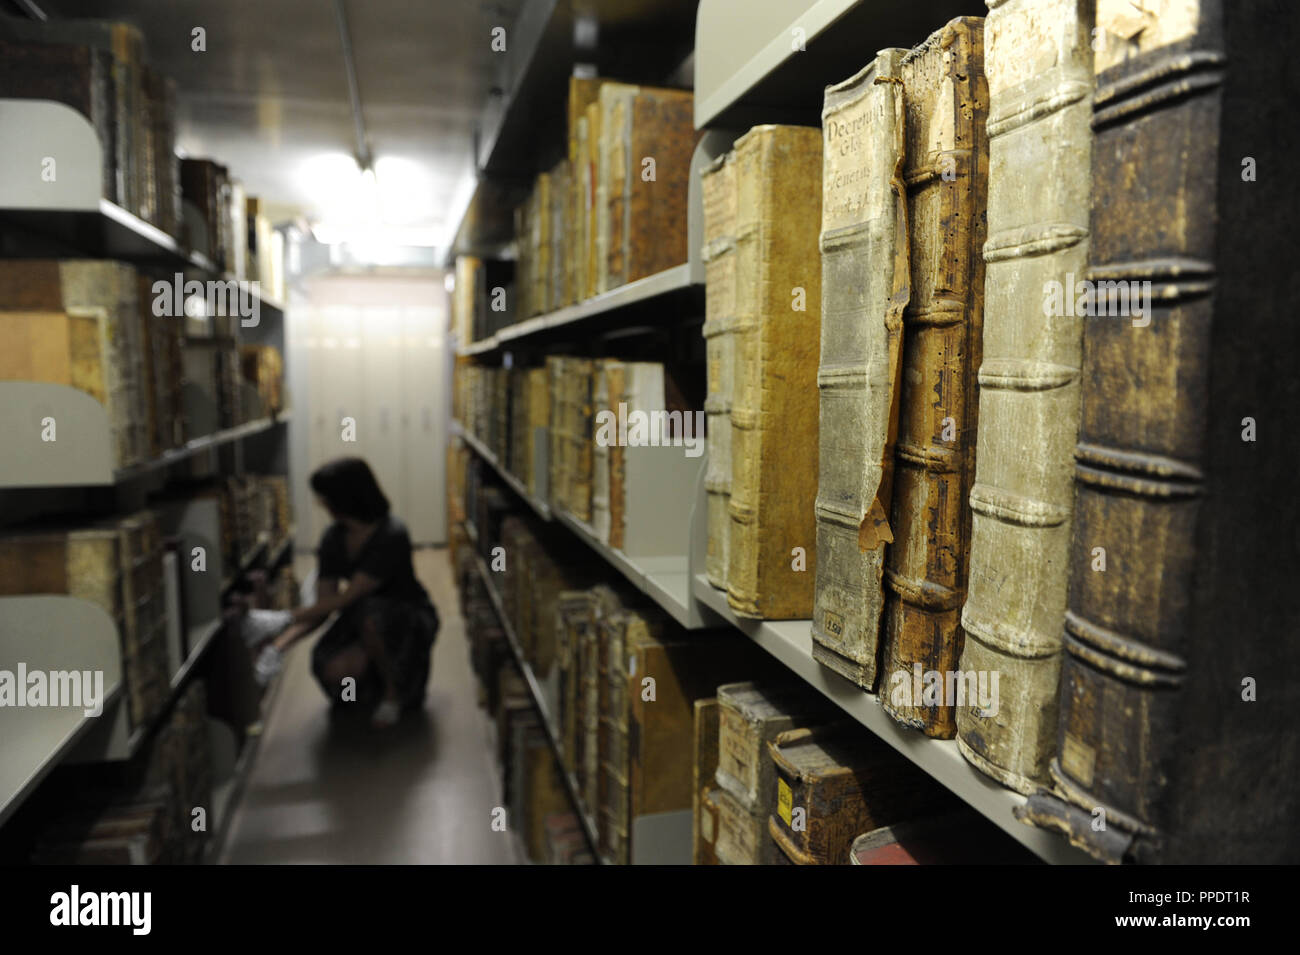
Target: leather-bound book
{"x": 581, "y": 186}
{"x": 865, "y": 285}
{"x": 578, "y": 436}
{"x": 718, "y": 192}
{"x": 647, "y": 136}
{"x": 160, "y": 95}
{"x": 574, "y": 617}
{"x": 836, "y": 780}
{"x": 1178, "y": 689}
{"x": 946, "y": 172}
{"x": 540, "y": 244}
{"x": 770, "y": 572}
{"x": 615, "y": 464}
{"x": 704, "y": 812}
{"x": 592, "y": 196}
{"x": 749, "y": 716}
{"x": 557, "y": 372}
{"x": 600, "y": 450}
{"x": 1038, "y": 59}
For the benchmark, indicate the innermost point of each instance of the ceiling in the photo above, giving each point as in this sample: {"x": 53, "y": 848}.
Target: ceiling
{"x": 269, "y": 97}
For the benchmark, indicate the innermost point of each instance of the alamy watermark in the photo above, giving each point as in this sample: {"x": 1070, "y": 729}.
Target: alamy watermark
{"x": 921, "y": 687}
{"x": 53, "y": 688}
{"x": 651, "y": 429}
{"x": 1101, "y": 299}
{"x": 219, "y": 298}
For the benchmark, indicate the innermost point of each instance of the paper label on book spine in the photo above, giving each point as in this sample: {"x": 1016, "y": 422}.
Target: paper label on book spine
{"x": 784, "y": 801}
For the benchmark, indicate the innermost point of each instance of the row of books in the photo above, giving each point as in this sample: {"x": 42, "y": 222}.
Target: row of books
{"x": 1010, "y": 298}
{"x": 128, "y": 566}
{"x": 609, "y": 213}
{"x": 550, "y": 427}
{"x": 645, "y": 713}
{"x": 163, "y": 379}
{"x": 99, "y": 68}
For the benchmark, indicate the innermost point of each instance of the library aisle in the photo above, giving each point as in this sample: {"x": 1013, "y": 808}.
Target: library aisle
{"x": 320, "y": 793}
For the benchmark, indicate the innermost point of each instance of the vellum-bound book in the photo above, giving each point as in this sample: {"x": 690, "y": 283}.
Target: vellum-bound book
{"x": 770, "y": 573}
{"x": 946, "y": 172}
{"x": 577, "y": 420}
{"x": 865, "y": 285}
{"x": 537, "y": 423}
{"x": 1038, "y": 58}
{"x": 718, "y": 190}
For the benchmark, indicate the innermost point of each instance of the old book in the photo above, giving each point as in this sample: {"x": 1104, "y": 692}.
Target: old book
{"x": 704, "y": 763}
{"x": 834, "y": 781}
{"x": 593, "y": 196}
{"x": 557, "y": 376}
{"x": 560, "y": 233}
{"x": 777, "y": 335}
{"x": 750, "y": 715}
{"x": 865, "y": 286}
{"x": 647, "y": 136}
{"x": 718, "y": 194}
{"x": 1176, "y": 714}
{"x": 742, "y": 836}
{"x": 78, "y": 323}
{"x": 575, "y": 612}
{"x": 540, "y": 246}
{"x": 946, "y": 172}
{"x": 1038, "y": 62}
{"x": 600, "y": 449}
{"x": 581, "y": 184}
{"x": 576, "y": 420}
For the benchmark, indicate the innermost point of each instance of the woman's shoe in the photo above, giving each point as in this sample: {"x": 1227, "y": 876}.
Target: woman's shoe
{"x": 386, "y": 714}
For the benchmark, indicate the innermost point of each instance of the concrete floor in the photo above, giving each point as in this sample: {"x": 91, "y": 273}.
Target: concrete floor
{"x": 422, "y": 792}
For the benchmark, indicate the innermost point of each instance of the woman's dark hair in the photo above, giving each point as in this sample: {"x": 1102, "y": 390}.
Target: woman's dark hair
{"x": 350, "y": 490}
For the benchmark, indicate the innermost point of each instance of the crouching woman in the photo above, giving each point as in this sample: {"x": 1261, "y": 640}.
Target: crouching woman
{"x": 376, "y": 653}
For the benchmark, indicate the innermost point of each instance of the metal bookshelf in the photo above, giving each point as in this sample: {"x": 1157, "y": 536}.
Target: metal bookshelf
{"x": 539, "y": 700}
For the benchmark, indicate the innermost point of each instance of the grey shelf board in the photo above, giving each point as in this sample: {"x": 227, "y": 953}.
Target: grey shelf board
{"x": 663, "y": 579}
{"x": 109, "y": 232}
{"x": 539, "y": 700}
{"x": 21, "y": 773}
{"x": 200, "y": 444}
{"x": 541, "y": 508}
{"x": 790, "y": 641}
{"x": 200, "y": 639}
{"x": 670, "y": 281}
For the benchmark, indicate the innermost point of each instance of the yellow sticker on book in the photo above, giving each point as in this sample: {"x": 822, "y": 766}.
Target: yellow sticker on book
{"x": 784, "y": 800}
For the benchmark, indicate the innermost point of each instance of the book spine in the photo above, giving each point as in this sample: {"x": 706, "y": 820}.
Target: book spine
{"x": 593, "y": 197}
{"x": 947, "y": 181}
{"x": 773, "y": 415}
{"x": 1141, "y": 457}
{"x": 618, "y": 385}
{"x": 600, "y": 451}
{"x": 718, "y": 194}
{"x": 1040, "y": 143}
{"x": 661, "y": 139}
{"x": 865, "y": 285}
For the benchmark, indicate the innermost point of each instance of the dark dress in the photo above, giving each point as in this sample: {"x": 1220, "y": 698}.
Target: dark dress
{"x": 399, "y": 606}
